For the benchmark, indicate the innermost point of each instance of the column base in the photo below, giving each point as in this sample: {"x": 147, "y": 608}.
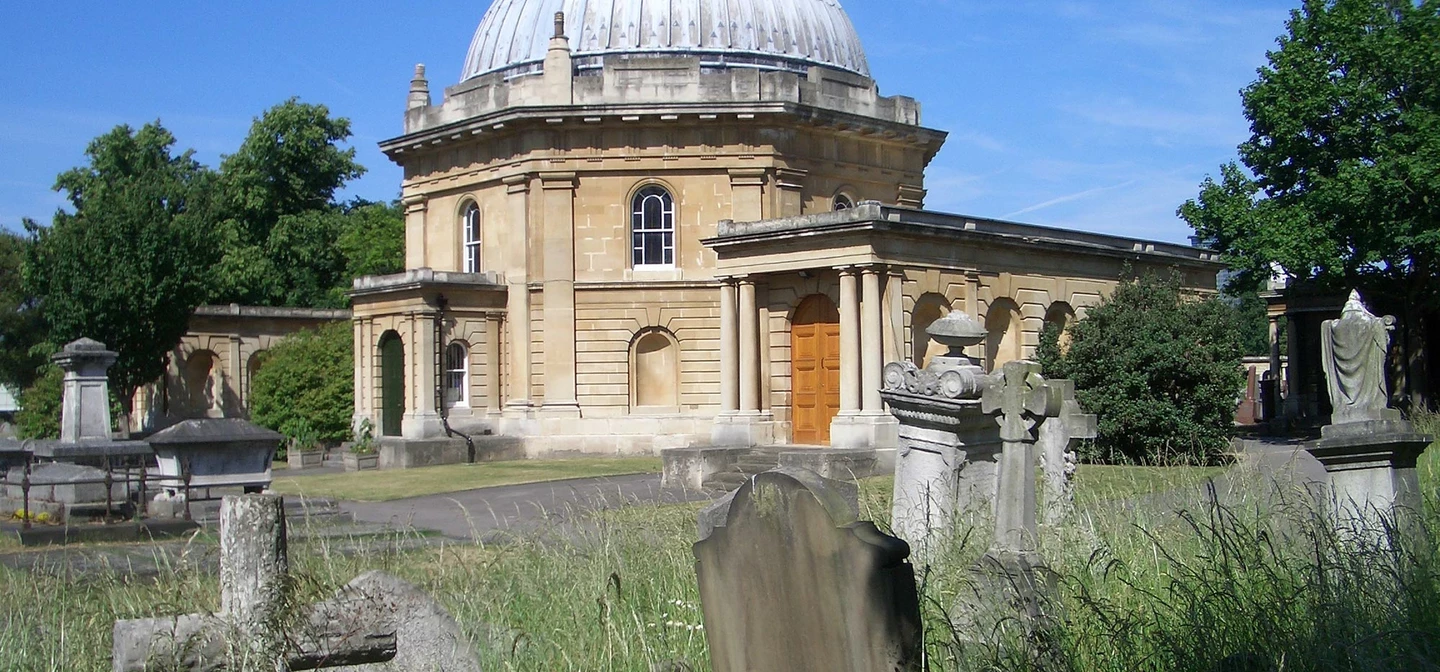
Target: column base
{"x": 743, "y": 429}
{"x": 421, "y": 426}
{"x": 880, "y": 432}
{"x": 559, "y": 410}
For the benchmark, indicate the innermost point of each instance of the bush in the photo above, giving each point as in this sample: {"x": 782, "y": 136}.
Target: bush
{"x": 306, "y": 383}
{"x": 1161, "y": 369}
{"x": 39, "y": 416}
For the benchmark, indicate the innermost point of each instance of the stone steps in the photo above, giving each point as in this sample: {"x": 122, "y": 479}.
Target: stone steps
{"x": 758, "y": 460}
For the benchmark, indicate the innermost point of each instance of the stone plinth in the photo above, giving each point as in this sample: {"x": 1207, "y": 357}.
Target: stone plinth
{"x": 85, "y": 409}
{"x": 216, "y": 453}
{"x": 841, "y": 464}
{"x": 62, "y": 489}
{"x": 743, "y": 430}
{"x": 791, "y": 580}
{"x": 1371, "y": 469}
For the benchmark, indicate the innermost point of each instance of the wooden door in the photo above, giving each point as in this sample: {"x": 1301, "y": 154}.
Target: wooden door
{"x": 392, "y": 384}
{"x": 814, "y": 369}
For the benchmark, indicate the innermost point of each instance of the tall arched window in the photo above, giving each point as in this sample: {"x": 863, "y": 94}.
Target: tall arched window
{"x": 471, "y": 224}
{"x": 652, "y": 228}
{"x": 457, "y": 375}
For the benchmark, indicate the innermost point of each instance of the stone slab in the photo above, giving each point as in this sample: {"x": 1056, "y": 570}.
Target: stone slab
{"x": 90, "y": 451}
{"x": 689, "y": 467}
{"x": 846, "y": 464}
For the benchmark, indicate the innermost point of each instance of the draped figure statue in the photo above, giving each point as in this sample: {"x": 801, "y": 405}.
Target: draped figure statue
{"x": 1353, "y": 350}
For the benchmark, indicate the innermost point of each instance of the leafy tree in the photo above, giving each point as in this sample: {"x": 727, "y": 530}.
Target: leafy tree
{"x": 306, "y": 383}
{"x": 39, "y": 416}
{"x": 277, "y": 192}
{"x": 1343, "y": 181}
{"x": 22, "y": 330}
{"x": 373, "y": 240}
{"x": 1159, "y": 367}
{"x": 127, "y": 267}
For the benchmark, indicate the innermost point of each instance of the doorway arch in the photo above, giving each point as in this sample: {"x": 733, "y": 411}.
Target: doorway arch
{"x": 814, "y": 369}
{"x": 392, "y": 383}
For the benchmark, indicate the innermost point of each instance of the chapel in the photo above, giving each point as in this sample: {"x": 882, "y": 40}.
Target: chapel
{"x": 643, "y": 224}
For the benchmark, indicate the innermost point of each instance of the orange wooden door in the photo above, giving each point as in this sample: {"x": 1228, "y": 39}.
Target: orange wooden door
{"x": 814, "y": 369}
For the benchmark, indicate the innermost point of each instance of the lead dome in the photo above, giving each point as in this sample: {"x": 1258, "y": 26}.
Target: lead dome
{"x": 768, "y": 34}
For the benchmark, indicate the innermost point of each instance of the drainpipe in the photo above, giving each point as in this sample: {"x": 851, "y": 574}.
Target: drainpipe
{"x": 450, "y": 432}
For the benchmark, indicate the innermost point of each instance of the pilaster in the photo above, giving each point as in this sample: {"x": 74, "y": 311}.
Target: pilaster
{"x": 517, "y": 278}
{"x": 559, "y": 284}
{"x": 416, "y": 208}
{"x": 747, "y": 187}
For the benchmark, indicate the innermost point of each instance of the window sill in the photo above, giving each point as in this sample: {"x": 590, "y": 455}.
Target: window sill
{"x": 654, "y": 273}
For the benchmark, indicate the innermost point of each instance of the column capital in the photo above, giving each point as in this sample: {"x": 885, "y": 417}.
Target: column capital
{"x": 558, "y": 181}
{"x": 515, "y": 184}
{"x": 848, "y": 269}
{"x": 415, "y": 203}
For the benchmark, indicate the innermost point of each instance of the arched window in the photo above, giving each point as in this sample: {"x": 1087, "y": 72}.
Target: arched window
{"x": 471, "y": 224}
{"x": 457, "y": 375}
{"x": 655, "y": 372}
{"x": 652, "y": 228}
{"x": 841, "y": 202}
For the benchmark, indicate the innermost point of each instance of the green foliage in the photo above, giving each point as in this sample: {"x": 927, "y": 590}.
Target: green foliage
{"x": 127, "y": 267}
{"x": 1344, "y": 153}
{"x": 39, "y": 416}
{"x": 22, "y": 328}
{"x": 280, "y": 226}
{"x": 373, "y": 239}
{"x": 306, "y": 383}
{"x": 1252, "y": 318}
{"x": 1160, "y": 368}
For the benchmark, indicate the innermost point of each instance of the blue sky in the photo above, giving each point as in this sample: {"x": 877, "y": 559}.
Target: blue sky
{"x": 1100, "y": 116}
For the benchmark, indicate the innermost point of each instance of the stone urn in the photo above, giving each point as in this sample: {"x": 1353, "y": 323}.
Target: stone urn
{"x": 956, "y": 331}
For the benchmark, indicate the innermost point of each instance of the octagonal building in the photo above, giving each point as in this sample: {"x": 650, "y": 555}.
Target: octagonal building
{"x": 642, "y": 224}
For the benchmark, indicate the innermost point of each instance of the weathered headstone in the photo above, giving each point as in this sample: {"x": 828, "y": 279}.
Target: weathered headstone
{"x": 1010, "y": 581}
{"x": 377, "y": 619}
{"x": 791, "y": 580}
{"x": 1058, "y": 441}
{"x": 1369, "y": 451}
{"x": 945, "y": 466}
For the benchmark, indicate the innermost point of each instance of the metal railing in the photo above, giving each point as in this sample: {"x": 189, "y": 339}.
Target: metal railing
{"x": 128, "y": 475}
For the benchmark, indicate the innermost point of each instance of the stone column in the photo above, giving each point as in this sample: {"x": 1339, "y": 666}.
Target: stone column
{"x": 729, "y": 349}
{"x": 894, "y": 315}
{"x": 872, "y": 358}
{"x": 850, "y": 380}
{"x": 254, "y": 566}
{"x": 517, "y": 278}
{"x": 358, "y": 349}
{"x": 559, "y": 277}
{"x": 1275, "y": 345}
{"x": 415, "y": 211}
{"x": 239, "y": 382}
{"x": 493, "y": 361}
{"x": 749, "y": 349}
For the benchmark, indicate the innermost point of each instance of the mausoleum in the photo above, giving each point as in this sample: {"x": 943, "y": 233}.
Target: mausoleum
{"x": 635, "y": 225}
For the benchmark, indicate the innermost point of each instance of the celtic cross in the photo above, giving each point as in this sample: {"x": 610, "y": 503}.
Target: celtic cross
{"x": 1022, "y": 398}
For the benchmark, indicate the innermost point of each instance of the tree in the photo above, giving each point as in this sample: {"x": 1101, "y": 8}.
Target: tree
{"x": 1159, "y": 367}
{"x": 277, "y": 194}
{"x": 306, "y": 384}
{"x": 1343, "y": 183}
{"x": 373, "y": 240}
{"x": 128, "y": 266}
{"x": 23, "y": 349}
{"x": 39, "y": 416}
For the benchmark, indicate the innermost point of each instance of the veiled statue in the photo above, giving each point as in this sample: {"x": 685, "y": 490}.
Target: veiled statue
{"x": 1353, "y": 351}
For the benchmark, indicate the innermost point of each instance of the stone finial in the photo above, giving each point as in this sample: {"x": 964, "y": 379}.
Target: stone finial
{"x": 1353, "y": 351}
{"x": 419, "y": 89}
{"x": 559, "y": 25}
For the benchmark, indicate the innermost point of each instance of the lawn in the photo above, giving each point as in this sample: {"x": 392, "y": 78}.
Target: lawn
{"x": 383, "y": 486}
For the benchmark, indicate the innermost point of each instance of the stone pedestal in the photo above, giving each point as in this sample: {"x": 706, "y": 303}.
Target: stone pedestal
{"x": 85, "y": 408}
{"x": 689, "y": 467}
{"x": 743, "y": 429}
{"x": 1371, "y": 469}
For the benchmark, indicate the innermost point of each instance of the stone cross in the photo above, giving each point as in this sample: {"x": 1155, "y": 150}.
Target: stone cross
{"x": 791, "y": 580}
{"x": 258, "y": 628}
{"x": 1057, "y": 442}
{"x": 1022, "y": 399}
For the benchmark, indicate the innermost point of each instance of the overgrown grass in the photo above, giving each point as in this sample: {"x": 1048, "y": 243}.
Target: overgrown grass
{"x": 382, "y": 486}
{"x": 1139, "y": 589}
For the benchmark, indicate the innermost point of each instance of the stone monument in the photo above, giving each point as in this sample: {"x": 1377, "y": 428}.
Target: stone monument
{"x": 85, "y": 420}
{"x": 945, "y": 466}
{"x": 1058, "y": 442}
{"x": 1009, "y": 581}
{"x": 1369, "y": 451}
{"x": 791, "y": 580}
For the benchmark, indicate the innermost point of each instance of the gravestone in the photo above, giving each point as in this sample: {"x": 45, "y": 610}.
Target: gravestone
{"x": 1369, "y": 451}
{"x": 85, "y": 437}
{"x": 377, "y": 622}
{"x": 1010, "y": 582}
{"x": 791, "y": 580}
{"x": 945, "y": 467}
{"x": 216, "y": 453}
{"x": 1059, "y": 439}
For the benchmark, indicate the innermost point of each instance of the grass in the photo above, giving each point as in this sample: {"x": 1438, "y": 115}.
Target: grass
{"x": 382, "y": 486}
{"x": 1098, "y": 482}
{"x": 1139, "y": 589}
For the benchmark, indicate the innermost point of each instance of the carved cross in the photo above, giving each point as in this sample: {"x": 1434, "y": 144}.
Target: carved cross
{"x": 1021, "y": 397}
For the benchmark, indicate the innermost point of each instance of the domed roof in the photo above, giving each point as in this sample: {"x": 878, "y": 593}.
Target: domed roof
{"x": 774, "y": 34}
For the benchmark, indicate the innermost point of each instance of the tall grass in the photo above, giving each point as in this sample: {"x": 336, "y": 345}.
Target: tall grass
{"x": 1247, "y": 585}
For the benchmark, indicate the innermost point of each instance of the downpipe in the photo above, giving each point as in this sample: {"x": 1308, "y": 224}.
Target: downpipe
{"x": 450, "y": 432}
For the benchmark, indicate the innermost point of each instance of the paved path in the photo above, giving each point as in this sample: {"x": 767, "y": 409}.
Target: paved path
{"x": 489, "y": 513}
